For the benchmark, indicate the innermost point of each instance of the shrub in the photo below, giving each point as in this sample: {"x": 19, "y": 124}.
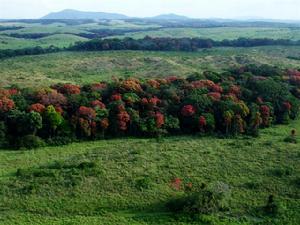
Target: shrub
{"x": 172, "y": 123}
{"x": 205, "y": 201}
{"x": 282, "y": 171}
{"x": 296, "y": 182}
{"x": 30, "y": 142}
{"x": 148, "y": 126}
{"x": 292, "y": 137}
{"x": 143, "y": 183}
{"x": 86, "y": 165}
{"x": 273, "y": 207}
{"x": 59, "y": 140}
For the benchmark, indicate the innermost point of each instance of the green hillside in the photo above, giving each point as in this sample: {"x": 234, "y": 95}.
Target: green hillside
{"x": 58, "y": 40}
{"x": 221, "y": 33}
{"x": 86, "y": 67}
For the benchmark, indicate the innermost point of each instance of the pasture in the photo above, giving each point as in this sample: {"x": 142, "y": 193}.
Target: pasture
{"x": 87, "y": 67}
{"x": 128, "y": 181}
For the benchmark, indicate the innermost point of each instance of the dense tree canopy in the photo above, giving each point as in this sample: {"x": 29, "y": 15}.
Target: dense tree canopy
{"x": 173, "y": 44}
{"x": 236, "y": 102}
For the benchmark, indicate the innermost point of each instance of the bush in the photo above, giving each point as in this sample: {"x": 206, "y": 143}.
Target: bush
{"x": 273, "y": 207}
{"x": 282, "y": 171}
{"x": 204, "y": 201}
{"x": 143, "y": 183}
{"x": 30, "y": 142}
{"x": 59, "y": 140}
{"x": 86, "y": 165}
{"x": 172, "y": 124}
{"x": 291, "y": 138}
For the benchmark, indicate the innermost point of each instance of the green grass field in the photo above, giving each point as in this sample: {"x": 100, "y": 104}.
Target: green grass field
{"x": 129, "y": 180}
{"x": 86, "y": 67}
{"x": 63, "y": 35}
{"x": 221, "y": 33}
{"x": 58, "y": 40}
{"x": 67, "y": 34}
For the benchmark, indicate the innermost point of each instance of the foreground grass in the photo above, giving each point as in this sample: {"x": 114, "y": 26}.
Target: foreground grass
{"x": 87, "y": 67}
{"x": 127, "y": 181}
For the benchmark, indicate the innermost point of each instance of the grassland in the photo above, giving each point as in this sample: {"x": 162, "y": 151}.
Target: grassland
{"x": 221, "y": 33}
{"x": 128, "y": 181}
{"x": 58, "y": 40}
{"x": 86, "y": 67}
{"x": 64, "y": 35}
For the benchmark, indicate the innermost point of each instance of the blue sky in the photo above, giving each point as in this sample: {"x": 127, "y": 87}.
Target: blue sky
{"x": 273, "y": 9}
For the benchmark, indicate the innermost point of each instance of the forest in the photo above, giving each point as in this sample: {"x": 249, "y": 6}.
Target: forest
{"x": 239, "y": 101}
{"x": 175, "y": 44}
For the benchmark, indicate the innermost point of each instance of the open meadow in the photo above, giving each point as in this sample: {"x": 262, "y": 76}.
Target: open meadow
{"x": 221, "y": 33}
{"x": 22, "y": 34}
{"x": 129, "y": 181}
{"x": 87, "y": 67}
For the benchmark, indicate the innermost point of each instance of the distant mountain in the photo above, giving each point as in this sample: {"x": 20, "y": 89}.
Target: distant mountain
{"x": 77, "y": 15}
{"x": 74, "y": 14}
{"x": 170, "y": 16}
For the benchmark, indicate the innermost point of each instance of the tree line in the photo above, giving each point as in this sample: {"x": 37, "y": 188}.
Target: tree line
{"x": 7, "y": 53}
{"x": 5, "y": 28}
{"x": 174, "y": 44}
{"x": 150, "y": 44}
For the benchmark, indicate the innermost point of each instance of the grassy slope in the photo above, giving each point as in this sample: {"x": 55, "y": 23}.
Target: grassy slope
{"x": 221, "y": 33}
{"x": 214, "y": 33}
{"x": 42, "y": 28}
{"x": 108, "y": 193}
{"x": 64, "y": 35}
{"x": 85, "y": 67}
{"x": 58, "y": 40}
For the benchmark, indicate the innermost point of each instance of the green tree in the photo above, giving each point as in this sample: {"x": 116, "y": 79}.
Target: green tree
{"x": 52, "y": 119}
{"x": 34, "y": 122}
{"x": 2, "y": 134}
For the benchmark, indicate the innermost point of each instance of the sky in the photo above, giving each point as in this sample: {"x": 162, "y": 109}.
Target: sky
{"x": 233, "y": 9}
